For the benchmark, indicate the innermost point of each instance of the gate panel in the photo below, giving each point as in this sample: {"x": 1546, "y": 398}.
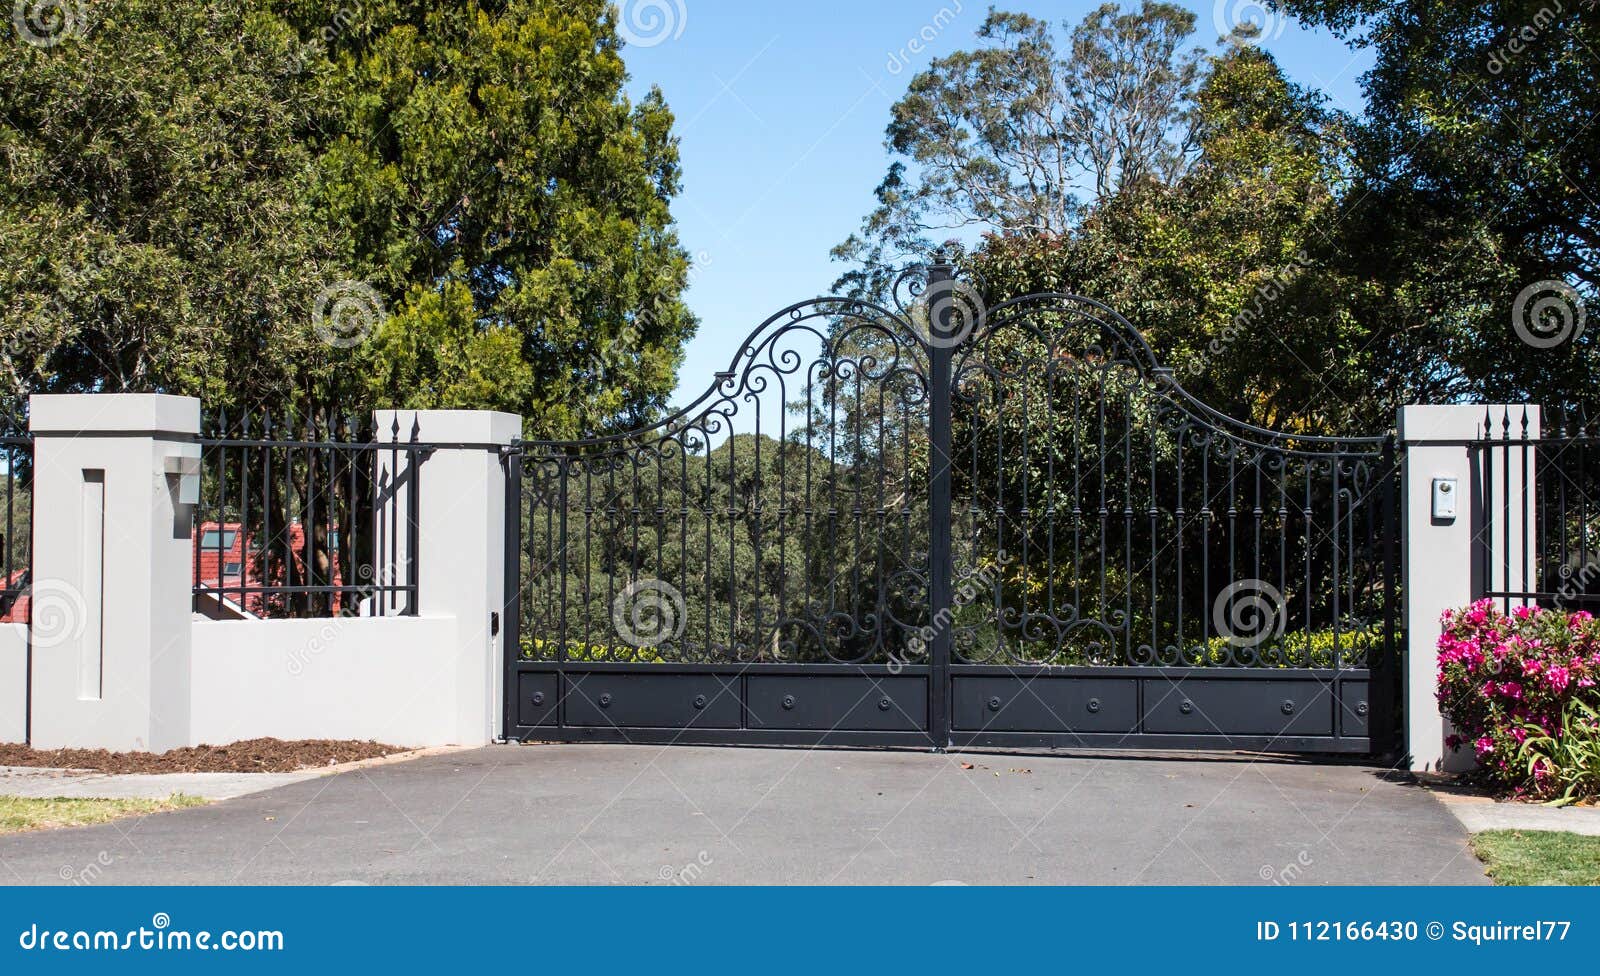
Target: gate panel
{"x": 1106, "y": 521}
{"x": 767, "y": 544}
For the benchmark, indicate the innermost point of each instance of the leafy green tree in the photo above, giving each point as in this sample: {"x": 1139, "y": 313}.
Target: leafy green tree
{"x": 487, "y": 146}
{"x": 154, "y": 229}
{"x": 458, "y": 192}
{"x": 1473, "y": 184}
{"x": 1228, "y": 271}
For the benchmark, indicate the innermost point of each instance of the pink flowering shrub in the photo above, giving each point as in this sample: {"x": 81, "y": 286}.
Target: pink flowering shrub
{"x": 1503, "y": 678}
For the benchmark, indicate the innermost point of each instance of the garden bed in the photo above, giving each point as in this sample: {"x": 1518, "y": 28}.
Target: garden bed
{"x": 248, "y": 756}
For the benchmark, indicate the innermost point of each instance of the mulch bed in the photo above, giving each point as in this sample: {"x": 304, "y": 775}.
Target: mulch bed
{"x": 249, "y": 756}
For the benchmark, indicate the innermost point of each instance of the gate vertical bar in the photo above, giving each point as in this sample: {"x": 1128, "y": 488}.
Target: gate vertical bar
{"x": 1384, "y": 673}
{"x": 940, "y": 568}
{"x": 511, "y": 612}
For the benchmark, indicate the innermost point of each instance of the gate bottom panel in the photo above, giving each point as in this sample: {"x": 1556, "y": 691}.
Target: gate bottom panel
{"x": 1279, "y": 709}
{"x": 752, "y": 704}
{"x": 1283, "y": 710}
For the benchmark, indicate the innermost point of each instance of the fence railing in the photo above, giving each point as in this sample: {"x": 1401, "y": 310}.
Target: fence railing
{"x": 311, "y": 515}
{"x": 16, "y": 518}
{"x": 1540, "y": 544}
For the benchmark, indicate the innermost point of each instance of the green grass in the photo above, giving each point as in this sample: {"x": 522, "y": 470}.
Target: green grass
{"x": 1539, "y": 857}
{"x": 28, "y": 813}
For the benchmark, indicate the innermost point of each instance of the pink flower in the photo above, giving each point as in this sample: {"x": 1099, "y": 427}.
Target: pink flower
{"x": 1522, "y": 613}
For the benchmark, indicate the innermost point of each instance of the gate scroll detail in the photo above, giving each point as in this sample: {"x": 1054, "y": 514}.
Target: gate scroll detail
{"x": 943, "y": 524}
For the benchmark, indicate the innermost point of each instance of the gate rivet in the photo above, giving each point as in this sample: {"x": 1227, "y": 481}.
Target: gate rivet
{"x": 538, "y": 698}
{"x": 1186, "y": 707}
{"x": 699, "y": 701}
{"x": 883, "y": 704}
{"x": 605, "y": 699}
{"x": 994, "y": 704}
{"x": 1361, "y": 708}
{"x": 1288, "y": 708}
{"x": 788, "y": 701}
{"x": 1094, "y": 704}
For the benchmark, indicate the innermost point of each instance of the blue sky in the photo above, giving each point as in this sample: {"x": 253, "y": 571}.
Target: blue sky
{"x": 781, "y": 111}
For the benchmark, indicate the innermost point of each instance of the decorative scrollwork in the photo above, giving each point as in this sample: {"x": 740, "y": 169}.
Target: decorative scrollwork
{"x": 790, "y": 504}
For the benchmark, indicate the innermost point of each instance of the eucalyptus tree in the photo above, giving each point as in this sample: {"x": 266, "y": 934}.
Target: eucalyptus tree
{"x": 1022, "y": 133}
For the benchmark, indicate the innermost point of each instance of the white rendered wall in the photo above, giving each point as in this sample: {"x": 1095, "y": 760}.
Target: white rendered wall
{"x": 13, "y": 682}
{"x": 392, "y": 679}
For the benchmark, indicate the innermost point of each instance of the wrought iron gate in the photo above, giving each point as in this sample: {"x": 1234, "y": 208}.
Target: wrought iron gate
{"x": 946, "y": 525}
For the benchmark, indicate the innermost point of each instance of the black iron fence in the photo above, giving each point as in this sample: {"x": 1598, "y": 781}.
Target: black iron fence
{"x": 1540, "y": 544}
{"x": 310, "y": 515}
{"x": 16, "y": 520}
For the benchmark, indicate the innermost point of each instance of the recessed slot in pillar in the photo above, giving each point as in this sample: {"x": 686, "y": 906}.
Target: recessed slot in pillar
{"x": 91, "y": 648}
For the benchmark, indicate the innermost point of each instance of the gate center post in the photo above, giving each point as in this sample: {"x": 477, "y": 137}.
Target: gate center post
{"x": 940, "y": 567}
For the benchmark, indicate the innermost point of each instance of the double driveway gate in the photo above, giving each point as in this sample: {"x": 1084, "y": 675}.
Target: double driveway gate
{"x": 951, "y": 525}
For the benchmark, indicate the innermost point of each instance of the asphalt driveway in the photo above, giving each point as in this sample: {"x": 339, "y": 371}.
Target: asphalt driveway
{"x": 609, "y": 814}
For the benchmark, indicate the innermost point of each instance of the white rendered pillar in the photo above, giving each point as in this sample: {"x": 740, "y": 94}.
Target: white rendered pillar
{"x": 1447, "y": 561}
{"x": 111, "y": 592}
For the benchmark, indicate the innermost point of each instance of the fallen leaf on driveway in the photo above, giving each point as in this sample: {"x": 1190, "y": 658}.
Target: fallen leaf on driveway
{"x": 966, "y": 765}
